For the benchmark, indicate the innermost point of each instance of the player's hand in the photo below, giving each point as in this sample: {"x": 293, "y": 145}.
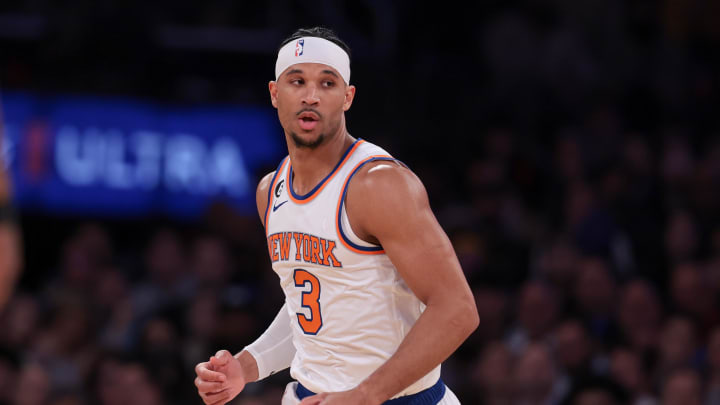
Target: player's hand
{"x": 352, "y": 397}
{"x": 220, "y": 379}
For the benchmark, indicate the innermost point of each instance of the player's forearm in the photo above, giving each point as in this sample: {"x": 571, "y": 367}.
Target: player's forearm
{"x": 249, "y": 365}
{"x": 435, "y": 336}
{"x": 273, "y": 350}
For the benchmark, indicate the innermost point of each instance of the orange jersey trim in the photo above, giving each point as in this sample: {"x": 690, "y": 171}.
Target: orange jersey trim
{"x": 338, "y": 227}
{"x": 310, "y": 196}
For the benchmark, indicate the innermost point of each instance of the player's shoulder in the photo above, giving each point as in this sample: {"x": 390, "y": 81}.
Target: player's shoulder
{"x": 382, "y": 198}
{"x": 383, "y": 179}
{"x": 265, "y": 183}
{"x": 261, "y": 194}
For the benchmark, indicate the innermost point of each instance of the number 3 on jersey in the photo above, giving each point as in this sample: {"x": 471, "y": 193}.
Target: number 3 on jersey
{"x": 310, "y": 300}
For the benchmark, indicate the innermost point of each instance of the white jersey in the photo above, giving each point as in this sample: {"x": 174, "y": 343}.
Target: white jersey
{"x": 349, "y": 308}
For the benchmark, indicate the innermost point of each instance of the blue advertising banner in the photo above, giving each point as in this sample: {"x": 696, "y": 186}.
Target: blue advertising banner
{"x": 102, "y": 156}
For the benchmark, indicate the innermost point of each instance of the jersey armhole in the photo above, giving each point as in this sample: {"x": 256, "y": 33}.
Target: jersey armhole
{"x": 342, "y": 222}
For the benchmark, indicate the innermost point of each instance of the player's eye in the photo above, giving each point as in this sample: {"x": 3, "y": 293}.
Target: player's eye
{"x": 296, "y": 81}
{"x": 328, "y": 83}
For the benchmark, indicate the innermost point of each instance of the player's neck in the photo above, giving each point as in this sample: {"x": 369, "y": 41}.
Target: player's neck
{"x": 311, "y": 165}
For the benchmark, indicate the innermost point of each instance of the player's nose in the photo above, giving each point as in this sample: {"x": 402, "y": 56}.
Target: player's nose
{"x": 311, "y": 95}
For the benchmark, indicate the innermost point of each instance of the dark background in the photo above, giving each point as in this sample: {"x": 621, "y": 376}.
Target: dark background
{"x": 570, "y": 150}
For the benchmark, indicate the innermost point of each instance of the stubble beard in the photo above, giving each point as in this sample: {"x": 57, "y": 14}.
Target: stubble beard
{"x": 301, "y": 143}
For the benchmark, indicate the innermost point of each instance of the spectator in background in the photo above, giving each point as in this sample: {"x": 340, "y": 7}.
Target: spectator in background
{"x": 83, "y": 254}
{"x": 64, "y": 347}
{"x": 166, "y": 280}
{"x": 492, "y": 375}
{"x": 139, "y": 386}
{"x": 677, "y": 347}
{"x": 691, "y": 295}
{"x": 677, "y": 164}
{"x": 66, "y": 398}
{"x": 160, "y": 347}
{"x": 536, "y": 380}
{"x": 493, "y": 306}
{"x": 9, "y": 368}
{"x": 682, "y": 387}
{"x": 639, "y": 315}
{"x": 536, "y": 313}
{"x": 211, "y": 265}
{"x": 33, "y": 386}
{"x": 110, "y": 287}
{"x": 122, "y": 380}
{"x": 112, "y": 303}
{"x": 21, "y": 320}
{"x": 202, "y": 320}
{"x": 713, "y": 367}
{"x": 10, "y": 254}
{"x": 681, "y": 238}
{"x": 627, "y": 369}
{"x": 573, "y": 349}
{"x": 596, "y": 391}
{"x": 104, "y": 384}
{"x": 712, "y": 266}
{"x": 595, "y": 296}
{"x": 558, "y": 263}
{"x": 589, "y": 222}
{"x": 119, "y": 328}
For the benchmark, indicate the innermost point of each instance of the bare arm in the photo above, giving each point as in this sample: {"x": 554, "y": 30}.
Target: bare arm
{"x": 388, "y": 204}
{"x": 261, "y": 195}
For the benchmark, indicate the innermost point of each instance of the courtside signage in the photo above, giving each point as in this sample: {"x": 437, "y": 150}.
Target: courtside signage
{"x": 127, "y": 157}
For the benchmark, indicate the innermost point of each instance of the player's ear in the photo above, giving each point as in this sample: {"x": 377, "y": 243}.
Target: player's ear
{"x": 349, "y": 97}
{"x": 272, "y": 86}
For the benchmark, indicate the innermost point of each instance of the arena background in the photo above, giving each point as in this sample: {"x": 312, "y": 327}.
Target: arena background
{"x": 570, "y": 150}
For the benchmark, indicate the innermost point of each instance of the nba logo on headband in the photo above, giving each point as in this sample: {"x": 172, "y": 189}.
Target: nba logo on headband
{"x": 319, "y": 50}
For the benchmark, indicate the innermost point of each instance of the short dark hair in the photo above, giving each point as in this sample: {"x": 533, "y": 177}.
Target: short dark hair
{"x": 319, "y": 32}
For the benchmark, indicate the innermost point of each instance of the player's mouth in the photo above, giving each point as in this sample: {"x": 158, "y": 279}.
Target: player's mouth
{"x": 308, "y": 120}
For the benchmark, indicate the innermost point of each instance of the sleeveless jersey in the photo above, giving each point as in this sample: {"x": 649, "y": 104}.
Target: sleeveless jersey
{"x": 349, "y": 308}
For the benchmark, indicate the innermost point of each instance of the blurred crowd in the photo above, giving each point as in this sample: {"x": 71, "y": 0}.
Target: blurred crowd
{"x": 571, "y": 150}
{"x": 114, "y": 326}
{"x": 603, "y": 285}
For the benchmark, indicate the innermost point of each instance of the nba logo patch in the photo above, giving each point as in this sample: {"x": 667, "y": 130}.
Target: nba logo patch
{"x": 299, "y": 45}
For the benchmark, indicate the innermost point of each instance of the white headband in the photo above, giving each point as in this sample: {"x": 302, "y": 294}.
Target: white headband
{"x": 313, "y": 50}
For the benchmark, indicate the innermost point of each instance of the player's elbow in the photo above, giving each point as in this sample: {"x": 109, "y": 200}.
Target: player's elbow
{"x": 472, "y": 318}
{"x": 466, "y": 318}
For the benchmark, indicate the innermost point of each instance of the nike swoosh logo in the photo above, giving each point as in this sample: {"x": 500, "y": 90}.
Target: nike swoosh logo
{"x": 275, "y": 207}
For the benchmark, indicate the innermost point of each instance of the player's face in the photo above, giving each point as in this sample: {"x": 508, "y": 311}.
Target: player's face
{"x": 311, "y": 99}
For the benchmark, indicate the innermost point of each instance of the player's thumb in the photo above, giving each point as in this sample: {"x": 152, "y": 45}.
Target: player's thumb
{"x": 221, "y": 358}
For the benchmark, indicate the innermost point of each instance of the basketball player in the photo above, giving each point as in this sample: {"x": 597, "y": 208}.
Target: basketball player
{"x": 375, "y": 296}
